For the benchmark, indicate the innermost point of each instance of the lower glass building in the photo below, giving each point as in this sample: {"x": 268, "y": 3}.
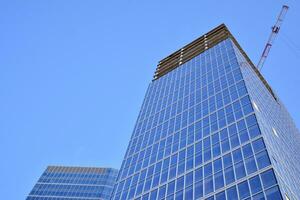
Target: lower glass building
{"x": 74, "y": 183}
{"x": 210, "y": 127}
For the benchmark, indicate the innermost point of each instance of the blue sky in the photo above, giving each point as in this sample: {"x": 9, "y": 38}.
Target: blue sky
{"x": 74, "y": 73}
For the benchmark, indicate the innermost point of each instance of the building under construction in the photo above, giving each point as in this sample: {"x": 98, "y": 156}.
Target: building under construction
{"x": 211, "y": 127}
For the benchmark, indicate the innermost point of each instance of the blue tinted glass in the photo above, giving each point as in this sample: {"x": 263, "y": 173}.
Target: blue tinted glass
{"x": 239, "y": 170}
{"x": 259, "y": 196}
{"x": 247, "y": 150}
{"x": 162, "y": 192}
{"x": 198, "y": 159}
{"x": 146, "y": 197}
{"x": 237, "y": 155}
{"x": 243, "y": 189}
{"x": 180, "y": 183}
{"x": 199, "y": 189}
{"x": 254, "y": 131}
{"x": 189, "y": 179}
{"x": 244, "y": 137}
{"x": 208, "y": 182}
{"x": 189, "y": 193}
{"x": 251, "y": 120}
{"x": 221, "y": 196}
{"x": 250, "y": 165}
{"x": 207, "y": 155}
{"x": 229, "y": 175}
{"x": 227, "y": 160}
{"x": 241, "y": 125}
{"x": 258, "y": 145}
{"x": 199, "y": 174}
{"x": 245, "y": 100}
{"x": 263, "y": 159}
{"x": 206, "y": 143}
{"x": 216, "y": 150}
{"x": 171, "y": 187}
{"x": 268, "y": 178}
{"x": 231, "y": 193}
{"x": 219, "y": 180}
{"x": 208, "y": 169}
{"x": 255, "y": 184}
{"x": 273, "y": 194}
{"x": 179, "y": 195}
{"x": 153, "y": 195}
{"x": 217, "y": 165}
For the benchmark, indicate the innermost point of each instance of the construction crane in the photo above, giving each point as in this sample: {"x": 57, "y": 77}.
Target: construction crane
{"x": 274, "y": 33}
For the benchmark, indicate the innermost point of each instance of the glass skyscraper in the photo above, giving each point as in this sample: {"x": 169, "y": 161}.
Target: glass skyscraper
{"x": 210, "y": 127}
{"x": 74, "y": 183}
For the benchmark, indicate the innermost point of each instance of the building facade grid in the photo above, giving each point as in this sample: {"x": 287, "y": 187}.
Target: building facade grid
{"x": 197, "y": 136}
{"x": 80, "y": 183}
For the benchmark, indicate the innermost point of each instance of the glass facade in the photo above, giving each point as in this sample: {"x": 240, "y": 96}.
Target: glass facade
{"x": 74, "y": 183}
{"x": 198, "y": 135}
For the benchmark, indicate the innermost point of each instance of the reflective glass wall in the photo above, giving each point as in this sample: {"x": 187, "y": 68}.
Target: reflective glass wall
{"x": 197, "y": 136}
{"x": 74, "y": 183}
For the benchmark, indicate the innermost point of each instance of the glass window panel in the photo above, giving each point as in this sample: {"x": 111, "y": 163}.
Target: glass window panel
{"x": 263, "y": 159}
{"x": 217, "y": 165}
{"x": 244, "y": 137}
{"x": 190, "y": 163}
{"x": 234, "y": 141}
{"x": 227, "y": 160}
{"x": 268, "y": 178}
{"x": 162, "y": 192}
{"x": 259, "y": 196}
{"x": 255, "y": 184}
{"x": 219, "y": 180}
{"x": 208, "y": 169}
{"x": 189, "y": 193}
{"x": 225, "y": 145}
{"x": 179, "y": 195}
{"x": 210, "y": 198}
{"x": 216, "y": 150}
{"x": 155, "y": 180}
{"x": 206, "y": 143}
{"x": 254, "y": 131}
{"x": 164, "y": 176}
{"x": 237, "y": 155}
{"x": 180, "y": 183}
{"x": 247, "y": 150}
{"x": 145, "y": 196}
{"x": 231, "y": 193}
{"x": 243, "y": 190}
{"x": 221, "y": 196}
{"x": 258, "y": 145}
{"x": 171, "y": 188}
{"x": 189, "y": 179}
{"x": 251, "y": 120}
{"x": 198, "y": 159}
{"x": 208, "y": 182}
{"x": 153, "y": 195}
{"x": 198, "y": 189}
{"x": 229, "y": 175}
{"x": 207, "y": 155}
{"x": 250, "y": 165}
{"x": 273, "y": 194}
{"x": 181, "y": 168}
{"x": 240, "y": 170}
{"x": 198, "y": 174}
